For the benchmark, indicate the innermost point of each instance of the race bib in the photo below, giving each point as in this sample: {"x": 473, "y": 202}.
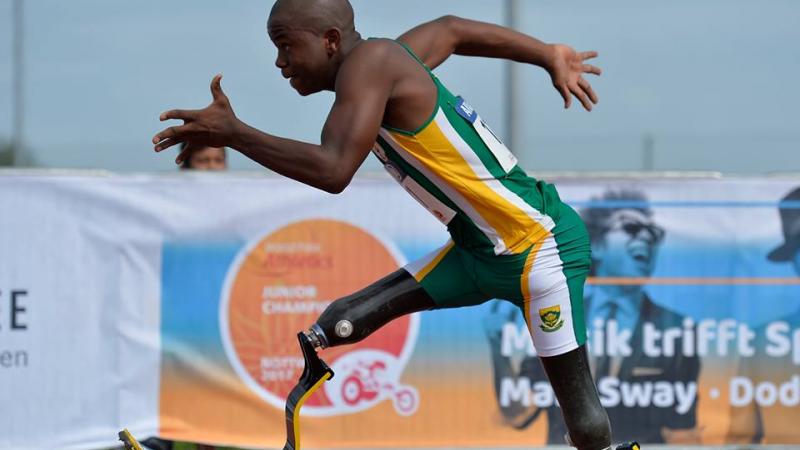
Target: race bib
{"x": 439, "y": 210}
{"x": 380, "y": 153}
{"x": 501, "y": 153}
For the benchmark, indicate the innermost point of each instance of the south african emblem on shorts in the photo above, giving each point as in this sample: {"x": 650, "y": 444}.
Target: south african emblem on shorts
{"x": 551, "y": 319}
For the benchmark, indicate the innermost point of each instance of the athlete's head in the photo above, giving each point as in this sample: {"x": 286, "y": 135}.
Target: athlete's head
{"x": 624, "y": 237}
{"x": 312, "y": 37}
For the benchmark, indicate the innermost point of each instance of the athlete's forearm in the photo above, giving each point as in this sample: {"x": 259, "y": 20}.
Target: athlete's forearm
{"x": 307, "y": 163}
{"x": 474, "y": 38}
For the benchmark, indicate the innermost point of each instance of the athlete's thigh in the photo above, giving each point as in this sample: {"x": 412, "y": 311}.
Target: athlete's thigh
{"x": 555, "y": 272}
{"x": 444, "y": 275}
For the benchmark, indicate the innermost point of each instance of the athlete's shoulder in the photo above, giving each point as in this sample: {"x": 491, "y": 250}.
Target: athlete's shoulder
{"x": 369, "y": 64}
{"x": 376, "y": 50}
{"x": 376, "y": 57}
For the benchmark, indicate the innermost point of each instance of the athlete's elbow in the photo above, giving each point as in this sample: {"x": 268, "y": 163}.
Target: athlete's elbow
{"x": 336, "y": 183}
{"x": 454, "y": 25}
{"x": 334, "y": 189}
{"x": 452, "y": 31}
{"x": 448, "y": 21}
{"x": 448, "y": 26}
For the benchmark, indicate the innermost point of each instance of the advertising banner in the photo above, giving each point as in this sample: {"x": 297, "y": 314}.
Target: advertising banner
{"x": 170, "y": 305}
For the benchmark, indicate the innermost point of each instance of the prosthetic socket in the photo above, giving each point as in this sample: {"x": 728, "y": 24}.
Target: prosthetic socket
{"x": 353, "y": 318}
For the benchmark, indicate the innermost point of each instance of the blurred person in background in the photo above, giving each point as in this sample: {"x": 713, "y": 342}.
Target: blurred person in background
{"x": 773, "y": 422}
{"x": 625, "y": 242}
{"x": 204, "y": 158}
{"x": 211, "y": 159}
{"x": 199, "y": 158}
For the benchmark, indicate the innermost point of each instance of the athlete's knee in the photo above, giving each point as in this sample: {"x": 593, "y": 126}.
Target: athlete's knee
{"x": 590, "y": 431}
{"x": 353, "y": 318}
{"x": 342, "y": 322}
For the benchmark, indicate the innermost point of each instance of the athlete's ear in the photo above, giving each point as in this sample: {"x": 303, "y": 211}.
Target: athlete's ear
{"x": 333, "y": 41}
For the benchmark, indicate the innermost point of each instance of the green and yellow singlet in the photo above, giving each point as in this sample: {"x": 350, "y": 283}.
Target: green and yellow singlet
{"x": 457, "y": 168}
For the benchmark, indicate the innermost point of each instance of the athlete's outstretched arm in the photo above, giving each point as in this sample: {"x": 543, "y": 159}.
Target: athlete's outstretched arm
{"x": 435, "y": 41}
{"x": 347, "y": 137}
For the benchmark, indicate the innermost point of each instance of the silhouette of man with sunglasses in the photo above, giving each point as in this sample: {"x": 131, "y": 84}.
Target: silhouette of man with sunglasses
{"x": 625, "y": 242}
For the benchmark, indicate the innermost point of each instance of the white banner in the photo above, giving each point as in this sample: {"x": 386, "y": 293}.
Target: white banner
{"x": 126, "y": 301}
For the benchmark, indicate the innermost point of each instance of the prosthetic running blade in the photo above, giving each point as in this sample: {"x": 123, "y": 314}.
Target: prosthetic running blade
{"x": 314, "y": 374}
{"x": 128, "y": 441}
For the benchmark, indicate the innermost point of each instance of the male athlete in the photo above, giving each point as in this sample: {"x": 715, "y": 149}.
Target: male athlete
{"x": 512, "y": 237}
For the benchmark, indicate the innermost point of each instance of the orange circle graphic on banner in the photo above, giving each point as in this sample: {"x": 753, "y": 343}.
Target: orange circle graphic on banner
{"x": 281, "y": 285}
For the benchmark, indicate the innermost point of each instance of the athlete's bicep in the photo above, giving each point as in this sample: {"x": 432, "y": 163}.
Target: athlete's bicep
{"x": 355, "y": 118}
{"x": 433, "y": 42}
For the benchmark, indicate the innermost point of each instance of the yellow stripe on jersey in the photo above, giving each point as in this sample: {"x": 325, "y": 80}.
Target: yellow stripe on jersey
{"x": 432, "y": 147}
{"x": 419, "y": 276}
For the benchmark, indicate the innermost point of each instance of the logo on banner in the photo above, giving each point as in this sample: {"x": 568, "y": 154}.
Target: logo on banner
{"x": 551, "y": 319}
{"x": 280, "y": 284}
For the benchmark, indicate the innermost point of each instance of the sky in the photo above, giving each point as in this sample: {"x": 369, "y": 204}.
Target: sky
{"x": 710, "y": 83}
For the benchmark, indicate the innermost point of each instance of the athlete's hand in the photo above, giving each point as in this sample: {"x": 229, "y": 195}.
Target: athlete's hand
{"x": 213, "y": 126}
{"x": 567, "y": 69}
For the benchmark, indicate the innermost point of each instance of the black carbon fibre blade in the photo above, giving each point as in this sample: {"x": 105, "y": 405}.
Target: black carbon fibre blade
{"x": 315, "y": 373}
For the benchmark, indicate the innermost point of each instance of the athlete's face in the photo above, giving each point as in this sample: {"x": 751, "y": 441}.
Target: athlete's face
{"x": 304, "y": 57}
{"x": 629, "y": 247}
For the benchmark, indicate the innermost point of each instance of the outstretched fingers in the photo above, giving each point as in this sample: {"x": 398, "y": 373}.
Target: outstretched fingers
{"x": 185, "y": 152}
{"x": 565, "y": 94}
{"x": 581, "y": 90}
{"x": 166, "y": 143}
{"x": 568, "y": 77}
{"x": 588, "y": 68}
{"x": 179, "y": 114}
{"x": 594, "y": 70}
{"x": 588, "y": 89}
{"x": 172, "y": 135}
{"x": 578, "y": 92}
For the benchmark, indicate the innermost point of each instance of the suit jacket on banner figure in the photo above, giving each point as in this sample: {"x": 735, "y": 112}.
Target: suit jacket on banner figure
{"x": 625, "y": 243}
